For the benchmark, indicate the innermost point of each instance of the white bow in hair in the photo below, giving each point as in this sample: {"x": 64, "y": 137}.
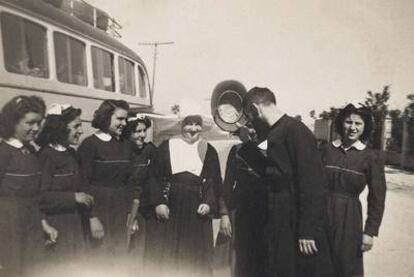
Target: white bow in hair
{"x": 140, "y": 116}
{"x": 57, "y": 109}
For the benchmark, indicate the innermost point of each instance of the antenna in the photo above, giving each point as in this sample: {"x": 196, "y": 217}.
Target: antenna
{"x": 155, "y": 45}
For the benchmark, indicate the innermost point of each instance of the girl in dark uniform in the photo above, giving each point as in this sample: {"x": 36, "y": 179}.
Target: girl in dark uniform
{"x": 183, "y": 176}
{"x": 21, "y": 236}
{"x": 105, "y": 167}
{"x": 62, "y": 195}
{"x": 350, "y": 166}
{"x": 142, "y": 152}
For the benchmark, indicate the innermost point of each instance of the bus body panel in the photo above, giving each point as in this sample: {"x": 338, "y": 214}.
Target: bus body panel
{"x": 85, "y": 95}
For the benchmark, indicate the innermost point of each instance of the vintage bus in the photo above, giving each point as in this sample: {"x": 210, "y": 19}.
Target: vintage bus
{"x": 62, "y": 51}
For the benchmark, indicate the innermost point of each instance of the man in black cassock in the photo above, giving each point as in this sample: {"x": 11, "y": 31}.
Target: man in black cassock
{"x": 296, "y": 214}
{"x": 245, "y": 194}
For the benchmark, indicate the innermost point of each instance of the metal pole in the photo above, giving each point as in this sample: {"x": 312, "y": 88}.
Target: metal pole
{"x": 154, "y": 62}
{"x": 154, "y": 65}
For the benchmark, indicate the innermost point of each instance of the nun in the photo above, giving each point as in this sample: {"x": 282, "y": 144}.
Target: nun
{"x": 183, "y": 182}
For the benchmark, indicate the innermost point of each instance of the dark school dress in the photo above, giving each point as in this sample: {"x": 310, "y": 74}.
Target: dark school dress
{"x": 348, "y": 172}
{"x": 297, "y": 198}
{"x": 183, "y": 244}
{"x": 105, "y": 168}
{"x": 141, "y": 160}
{"x": 21, "y": 235}
{"x": 60, "y": 181}
{"x": 245, "y": 193}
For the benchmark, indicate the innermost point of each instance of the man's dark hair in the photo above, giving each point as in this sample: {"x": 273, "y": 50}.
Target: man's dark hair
{"x": 257, "y": 95}
{"x": 14, "y": 110}
{"x": 363, "y": 112}
{"x": 55, "y": 129}
{"x": 102, "y": 116}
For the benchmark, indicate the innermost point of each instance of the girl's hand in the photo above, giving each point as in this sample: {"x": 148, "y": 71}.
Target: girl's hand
{"x": 225, "y": 225}
{"x": 307, "y": 247}
{"x": 51, "y": 232}
{"x": 203, "y": 209}
{"x": 132, "y": 225}
{"x": 84, "y": 198}
{"x": 367, "y": 243}
{"x": 97, "y": 229}
{"x": 162, "y": 211}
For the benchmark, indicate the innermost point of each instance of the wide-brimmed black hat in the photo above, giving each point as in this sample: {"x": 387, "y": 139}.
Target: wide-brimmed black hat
{"x": 227, "y": 105}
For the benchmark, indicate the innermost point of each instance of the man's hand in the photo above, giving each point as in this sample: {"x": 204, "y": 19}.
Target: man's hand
{"x": 307, "y": 247}
{"x": 225, "y": 225}
{"x": 162, "y": 211}
{"x": 367, "y": 242}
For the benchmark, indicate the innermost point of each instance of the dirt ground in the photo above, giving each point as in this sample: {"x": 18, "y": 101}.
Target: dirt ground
{"x": 393, "y": 252}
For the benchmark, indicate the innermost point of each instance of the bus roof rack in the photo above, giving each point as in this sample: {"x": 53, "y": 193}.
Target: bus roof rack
{"x": 49, "y": 13}
{"x": 89, "y": 14}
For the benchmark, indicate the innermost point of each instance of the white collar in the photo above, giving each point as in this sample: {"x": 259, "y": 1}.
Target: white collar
{"x": 14, "y": 142}
{"x": 358, "y": 145}
{"x": 185, "y": 157}
{"x": 263, "y": 145}
{"x": 103, "y": 136}
{"x": 58, "y": 147}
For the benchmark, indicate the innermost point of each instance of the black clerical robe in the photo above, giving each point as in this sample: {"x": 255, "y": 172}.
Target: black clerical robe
{"x": 296, "y": 201}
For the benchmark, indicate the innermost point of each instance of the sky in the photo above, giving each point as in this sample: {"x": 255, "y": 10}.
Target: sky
{"x": 313, "y": 54}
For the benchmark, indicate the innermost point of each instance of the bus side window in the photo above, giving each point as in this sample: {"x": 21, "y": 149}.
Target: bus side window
{"x": 142, "y": 82}
{"x": 24, "y": 45}
{"x": 70, "y": 60}
{"x": 103, "y": 69}
{"x": 126, "y": 76}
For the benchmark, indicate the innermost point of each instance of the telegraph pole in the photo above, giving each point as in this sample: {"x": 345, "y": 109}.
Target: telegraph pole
{"x": 154, "y": 62}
